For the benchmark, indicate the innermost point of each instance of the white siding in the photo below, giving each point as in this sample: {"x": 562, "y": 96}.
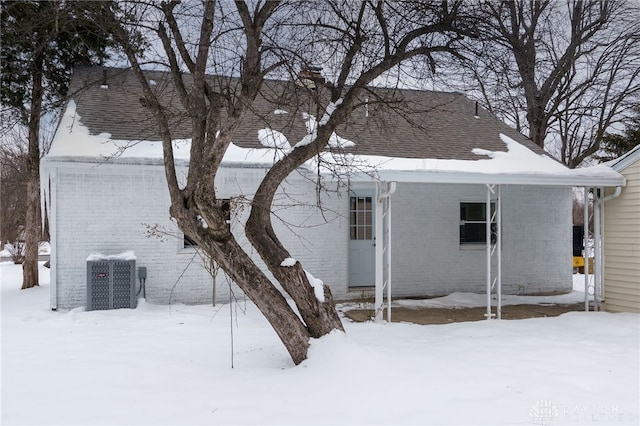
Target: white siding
{"x": 622, "y": 246}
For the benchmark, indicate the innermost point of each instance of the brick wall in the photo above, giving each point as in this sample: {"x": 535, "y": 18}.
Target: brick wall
{"x": 428, "y": 258}
{"x": 109, "y": 208}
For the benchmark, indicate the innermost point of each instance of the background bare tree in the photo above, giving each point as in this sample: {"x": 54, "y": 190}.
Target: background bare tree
{"x": 565, "y": 72}
{"x": 13, "y": 185}
{"x": 356, "y": 42}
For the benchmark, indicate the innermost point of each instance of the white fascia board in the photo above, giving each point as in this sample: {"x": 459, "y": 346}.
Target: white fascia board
{"x": 577, "y": 177}
{"x": 626, "y": 160}
{"x": 570, "y": 180}
{"x": 140, "y": 161}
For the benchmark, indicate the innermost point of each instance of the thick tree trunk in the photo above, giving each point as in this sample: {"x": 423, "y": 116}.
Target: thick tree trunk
{"x": 33, "y": 227}
{"x": 196, "y": 201}
{"x": 537, "y": 132}
{"x": 238, "y": 266}
{"x": 320, "y": 316}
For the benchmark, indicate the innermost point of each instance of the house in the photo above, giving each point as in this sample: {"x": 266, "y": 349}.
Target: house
{"x": 622, "y": 238}
{"x": 399, "y": 203}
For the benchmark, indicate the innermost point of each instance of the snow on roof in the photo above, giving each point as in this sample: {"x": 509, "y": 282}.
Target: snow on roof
{"x": 625, "y": 160}
{"x": 273, "y": 139}
{"x": 73, "y": 139}
{"x": 518, "y": 164}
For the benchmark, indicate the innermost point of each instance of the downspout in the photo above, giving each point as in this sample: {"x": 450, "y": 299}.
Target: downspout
{"x": 616, "y": 194}
{"x": 598, "y": 213}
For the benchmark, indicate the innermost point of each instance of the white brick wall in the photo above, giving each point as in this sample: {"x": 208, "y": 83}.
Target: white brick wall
{"x": 428, "y": 258}
{"x": 105, "y": 208}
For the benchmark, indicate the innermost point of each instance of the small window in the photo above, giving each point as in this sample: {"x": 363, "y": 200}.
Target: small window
{"x": 188, "y": 242}
{"x": 361, "y": 218}
{"x": 225, "y": 205}
{"x": 473, "y": 223}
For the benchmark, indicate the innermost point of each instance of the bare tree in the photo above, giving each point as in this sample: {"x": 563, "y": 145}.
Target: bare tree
{"x": 13, "y": 185}
{"x": 563, "y": 72}
{"x": 356, "y": 42}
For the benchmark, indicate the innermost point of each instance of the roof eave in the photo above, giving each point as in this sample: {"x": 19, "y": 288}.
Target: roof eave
{"x": 428, "y": 176}
{"x": 626, "y": 160}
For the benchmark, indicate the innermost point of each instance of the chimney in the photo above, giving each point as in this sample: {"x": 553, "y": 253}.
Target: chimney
{"x": 104, "y": 84}
{"x": 310, "y": 77}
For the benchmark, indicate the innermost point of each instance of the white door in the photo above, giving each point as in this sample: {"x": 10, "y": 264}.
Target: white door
{"x": 361, "y": 241}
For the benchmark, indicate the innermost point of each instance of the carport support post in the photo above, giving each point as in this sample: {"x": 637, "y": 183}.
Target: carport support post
{"x": 586, "y": 247}
{"x": 596, "y": 248}
{"x": 383, "y": 249}
{"x": 488, "y": 248}
{"x": 499, "y": 248}
{"x": 379, "y": 291}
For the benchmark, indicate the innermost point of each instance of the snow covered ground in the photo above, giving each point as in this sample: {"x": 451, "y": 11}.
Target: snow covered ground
{"x": 172, "y": 365}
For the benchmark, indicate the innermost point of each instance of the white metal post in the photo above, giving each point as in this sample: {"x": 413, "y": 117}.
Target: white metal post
{"x": 379, "y": 295}
{"x": 596, "y": 248}
{"x": 383, "y": 248}
{"x": 601, "y": 257}
{"x": 499, "y": 248}
{"x": 388, "y": 251}
{"x": 488, "y": 250}
{"x": 586, "y": 247}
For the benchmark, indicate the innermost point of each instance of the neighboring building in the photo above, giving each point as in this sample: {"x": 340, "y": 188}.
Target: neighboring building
{"x": 438, "y": 154}
{"x": 622, "y": 239}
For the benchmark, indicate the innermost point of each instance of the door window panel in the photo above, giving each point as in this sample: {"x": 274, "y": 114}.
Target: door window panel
{"x": 361, "y": 218}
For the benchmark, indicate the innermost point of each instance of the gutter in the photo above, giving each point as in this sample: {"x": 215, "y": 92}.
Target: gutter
{"x": 616, "y": 194}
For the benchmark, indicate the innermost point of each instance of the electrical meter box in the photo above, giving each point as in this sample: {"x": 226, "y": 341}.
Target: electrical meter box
{"x": 111, "y": 284}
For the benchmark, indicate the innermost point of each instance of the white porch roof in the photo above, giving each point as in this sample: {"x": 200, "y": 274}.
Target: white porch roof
{"x": 547, "y": 174}
{"x": 595, "y": 176}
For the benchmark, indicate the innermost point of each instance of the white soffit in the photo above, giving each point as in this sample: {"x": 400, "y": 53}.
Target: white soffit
{"x": 605, "y": 178}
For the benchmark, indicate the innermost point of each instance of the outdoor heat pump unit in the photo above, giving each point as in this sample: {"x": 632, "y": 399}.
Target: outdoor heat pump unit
{"x": 111, "y": 283}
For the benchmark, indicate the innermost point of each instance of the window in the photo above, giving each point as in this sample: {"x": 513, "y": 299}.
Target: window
{"x": 225, "y": 205}
{"x": 188, "y": 242}
{"x": 361, "y": 218}
{"x": 473, "y": 223}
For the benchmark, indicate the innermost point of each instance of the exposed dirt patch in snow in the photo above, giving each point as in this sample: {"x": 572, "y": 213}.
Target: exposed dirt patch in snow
{"x": 450, "y": 315}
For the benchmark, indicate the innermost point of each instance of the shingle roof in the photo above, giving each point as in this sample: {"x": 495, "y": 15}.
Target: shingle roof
{"x": 416, "y": 124}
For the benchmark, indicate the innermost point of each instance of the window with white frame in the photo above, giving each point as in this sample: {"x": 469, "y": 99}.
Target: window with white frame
{"x": 473, "y": 223}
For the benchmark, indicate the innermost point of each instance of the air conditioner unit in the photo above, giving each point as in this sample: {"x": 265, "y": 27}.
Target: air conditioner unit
{"x": 111, "y": 283}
